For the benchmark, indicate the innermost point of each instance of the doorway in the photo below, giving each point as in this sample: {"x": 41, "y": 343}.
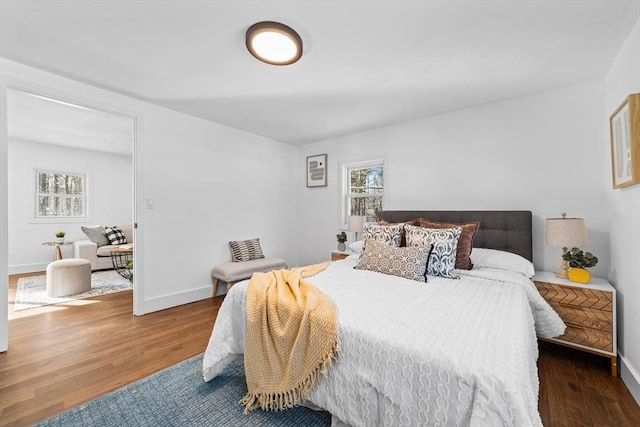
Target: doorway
{"x": 57, "y": 134}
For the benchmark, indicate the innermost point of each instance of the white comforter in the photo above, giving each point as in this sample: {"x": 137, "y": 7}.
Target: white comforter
{"x": 446, "y": 352}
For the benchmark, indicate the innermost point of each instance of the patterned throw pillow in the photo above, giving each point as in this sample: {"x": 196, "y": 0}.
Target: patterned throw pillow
{"x": 246, "y": 250}
{"x": 410, "y": 263}
{"x": 115, "y": 235}
{"x": 391, "y": 235}
{"x": 403, "y": 240}
{"x": 465, "y": 242}
{"x": 442, "y": 261}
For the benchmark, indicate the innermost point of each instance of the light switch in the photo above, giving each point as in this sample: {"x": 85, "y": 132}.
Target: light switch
{"x": 150, "y": 203}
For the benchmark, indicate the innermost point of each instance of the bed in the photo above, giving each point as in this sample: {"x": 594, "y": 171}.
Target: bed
{"x": 445, "y": 352}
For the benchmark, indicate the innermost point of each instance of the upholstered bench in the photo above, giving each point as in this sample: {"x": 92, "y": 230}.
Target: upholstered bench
{"x": 68, "y": 277}
{"x": 231, "y": 272}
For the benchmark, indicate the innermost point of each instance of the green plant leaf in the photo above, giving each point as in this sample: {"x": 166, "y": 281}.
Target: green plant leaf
{"x": 579, "y": 259}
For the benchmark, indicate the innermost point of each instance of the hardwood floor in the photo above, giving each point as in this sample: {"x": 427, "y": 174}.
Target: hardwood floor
{"x": 577, "y": 389}
{"x": 62, "y": 356}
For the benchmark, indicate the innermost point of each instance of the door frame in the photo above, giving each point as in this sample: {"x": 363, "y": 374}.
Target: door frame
{"x": 8, "y": 82}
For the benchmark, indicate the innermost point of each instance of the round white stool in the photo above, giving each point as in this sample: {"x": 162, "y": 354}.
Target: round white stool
{"x": 68, "y": 277}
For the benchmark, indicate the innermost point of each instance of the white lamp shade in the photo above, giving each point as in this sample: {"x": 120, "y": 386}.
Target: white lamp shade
{"x": 355, "y": 223}
{"x": 566, "y": 232}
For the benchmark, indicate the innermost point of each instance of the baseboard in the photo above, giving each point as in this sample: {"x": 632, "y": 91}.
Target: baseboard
{"x": 27, "y": 268}
{"x": 630, "y": 378}
{"x": 167, "y": 301}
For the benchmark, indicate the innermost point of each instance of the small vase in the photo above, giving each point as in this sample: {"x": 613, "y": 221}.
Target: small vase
{"x": 59, "y": 239}
{"x": 342, "y": 247}
{"x": 579, "y": 275}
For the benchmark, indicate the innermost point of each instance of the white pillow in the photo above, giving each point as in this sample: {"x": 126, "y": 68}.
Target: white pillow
{"x": 356, "y": 246}
{"x": 502, "y": 260}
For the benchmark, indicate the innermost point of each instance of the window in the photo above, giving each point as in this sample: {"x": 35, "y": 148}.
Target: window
{"x": 364, "y": 189}
{"x": 60, "y": 195}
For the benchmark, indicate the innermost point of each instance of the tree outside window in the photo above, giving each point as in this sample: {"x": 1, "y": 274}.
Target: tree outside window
{"x": 60, "y": 195}
{"x": 365, "y": 189}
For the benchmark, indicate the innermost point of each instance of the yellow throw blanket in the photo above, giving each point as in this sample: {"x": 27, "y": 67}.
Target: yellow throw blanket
{"x": 291, "y": 337}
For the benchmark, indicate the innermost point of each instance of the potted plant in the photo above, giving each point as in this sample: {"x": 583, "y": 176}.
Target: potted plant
{"x": 579, "y": 261}
{"x": 342, "y": 238}
{"x": 60, "y": 236}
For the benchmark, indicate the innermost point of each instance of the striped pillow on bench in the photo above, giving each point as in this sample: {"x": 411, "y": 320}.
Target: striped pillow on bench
{"x": 246, "y": 250}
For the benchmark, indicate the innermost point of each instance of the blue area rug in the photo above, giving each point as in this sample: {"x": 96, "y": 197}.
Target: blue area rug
{"x": 177, "y": 396}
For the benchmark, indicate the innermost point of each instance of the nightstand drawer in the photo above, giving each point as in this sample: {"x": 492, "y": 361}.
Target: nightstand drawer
{"x": 584, "y": 317}
{"x": 336, "y": 256}
{"x": 588, "y": 337}
{"x": 575, "y": 296}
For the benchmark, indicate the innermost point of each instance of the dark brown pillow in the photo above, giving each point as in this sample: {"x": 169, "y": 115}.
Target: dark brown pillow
{"x": 403, "y": 242}
{"x": 465, "y": 242}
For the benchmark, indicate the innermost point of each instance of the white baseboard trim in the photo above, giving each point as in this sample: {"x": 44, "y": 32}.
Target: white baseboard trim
{"x": 167, "y": 301}
{"x": 27, "y": 268}
{"x": 630, "y": 378}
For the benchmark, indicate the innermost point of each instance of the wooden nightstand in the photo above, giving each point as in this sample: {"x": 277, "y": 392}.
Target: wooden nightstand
{"x": 338, "y": 255}
{"x": 588, "y": 310}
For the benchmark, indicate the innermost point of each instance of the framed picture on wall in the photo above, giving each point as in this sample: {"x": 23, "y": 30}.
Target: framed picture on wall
{"x": 317, "y": 170}
{"x": 624, "y": 125}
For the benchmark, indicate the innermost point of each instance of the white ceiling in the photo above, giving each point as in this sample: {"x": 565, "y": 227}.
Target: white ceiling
{"x": 366, "y": 64}
{"x": 35, "y": 118}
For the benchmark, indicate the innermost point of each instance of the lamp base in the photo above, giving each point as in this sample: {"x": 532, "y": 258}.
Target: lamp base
{"x": 564, "y": 267}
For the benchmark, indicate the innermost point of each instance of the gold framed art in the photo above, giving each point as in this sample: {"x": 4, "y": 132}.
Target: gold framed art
{"x": 624, "y": 126}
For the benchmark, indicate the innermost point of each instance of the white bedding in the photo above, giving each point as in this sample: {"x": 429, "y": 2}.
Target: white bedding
{"x": 446, "y": 352}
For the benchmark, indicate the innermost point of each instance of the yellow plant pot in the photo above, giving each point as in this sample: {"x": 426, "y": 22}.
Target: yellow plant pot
{"x": 579, "y": 275}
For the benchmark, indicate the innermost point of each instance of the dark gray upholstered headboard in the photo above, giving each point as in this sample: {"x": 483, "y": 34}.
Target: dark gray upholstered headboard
{"x": 509, "y": 231}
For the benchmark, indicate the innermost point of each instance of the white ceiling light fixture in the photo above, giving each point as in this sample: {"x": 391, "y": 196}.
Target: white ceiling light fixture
{"x": 274, "y": 43}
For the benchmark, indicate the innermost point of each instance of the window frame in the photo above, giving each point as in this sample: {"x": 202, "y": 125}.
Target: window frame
{"x": 60, "y": 219}
{"x": 346, "y": 196}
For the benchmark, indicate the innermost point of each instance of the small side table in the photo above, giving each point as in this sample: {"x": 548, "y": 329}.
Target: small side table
{"x": 588, "y": 310}
{"x": 57, "y": 253}
{"x": 120, "y": 258}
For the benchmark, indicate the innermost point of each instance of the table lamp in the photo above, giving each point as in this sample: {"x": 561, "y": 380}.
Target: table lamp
{"x": 565, "y": 232}
{"x": 355, "y": 223}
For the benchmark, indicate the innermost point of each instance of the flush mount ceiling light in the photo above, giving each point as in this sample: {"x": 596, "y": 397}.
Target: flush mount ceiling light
{"x": 274, "y": 43}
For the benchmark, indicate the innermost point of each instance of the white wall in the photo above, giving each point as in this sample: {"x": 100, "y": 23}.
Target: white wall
{"x": 542, "y": 153}
{"x": 623, "y": 79}
{"x": 110, "y": 190}
{"x": 211, "y": 184}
